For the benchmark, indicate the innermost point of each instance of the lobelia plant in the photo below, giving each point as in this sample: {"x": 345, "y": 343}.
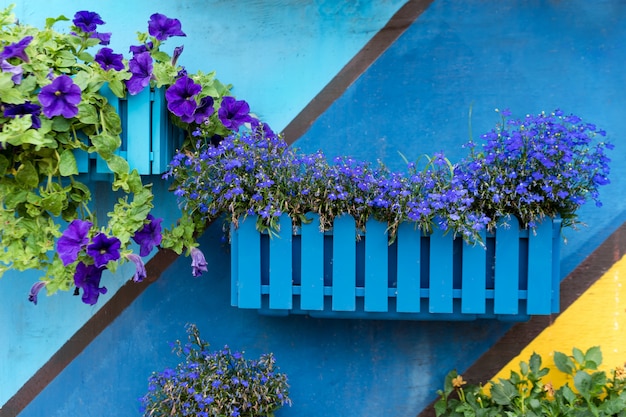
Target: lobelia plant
{"x": 215, "y": 383}
{"x": 593, "y": 393}
{"x": 545, "y": 165}
{"x": 52, "y": 108}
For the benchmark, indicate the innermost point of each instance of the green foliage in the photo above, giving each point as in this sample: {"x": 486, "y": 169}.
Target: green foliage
{"x": 527, "y": 394}
{"x": 41, "y": 190}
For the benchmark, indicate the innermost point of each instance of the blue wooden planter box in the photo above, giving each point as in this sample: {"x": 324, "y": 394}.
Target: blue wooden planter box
{"x": 418, "y": 277}
{"x": 149, "y": 139}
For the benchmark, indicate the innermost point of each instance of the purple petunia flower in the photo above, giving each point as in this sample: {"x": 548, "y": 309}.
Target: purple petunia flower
{"x": 17, "y": 50}
{"x": 198, "y": 262}
{"x": 162, "y": 27}
{"x": 20, "y": 110}
{"x": 181, "y": 97}
{"x": 60, "y": 98}
{"x": 87, "y": 21}
{"x": 149, "y": 235}
{"x": 109, "y": 60}
{"x": 138, "y": 49}
{"x": 104, "y": 249}
{"x": 88, "y": 278}
{"x": 16, "y": 70}
{"x": 203, "y": 111}
{"x": 72, "y": 240}
{"x": 140, "y": 267}
{"x": 234, "y": 113}
{"x": 104, "y": 37}
{"x": 140, "y": 67}
{"x": 34, "y": 290}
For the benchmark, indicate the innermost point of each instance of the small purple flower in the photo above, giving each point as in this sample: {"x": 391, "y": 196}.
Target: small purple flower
{"x": 162, "y": 27}
{"x": 198, "y": 262}
{"x": 176, "y": 54}
{"x": 88, "y": 278}
{"x": 203, "y": 111}
{"x": 181, "y": 97}
{"x": 87, "y": 21}
{"x": 73, "y": 239}
{"x": 104, "y": 37}
{"x": 109, "y": 60}
{"x": 234, "y": 113}
{"x": 140, "y": 67}
{"x": 60, "y": 98}
{"x": 17, "y": 50}
{"x": 138, "y": 49}
{"x": 140, "y": 267}
{"x": 16, "y": 70}
{"x": 149, "y": 235}
{"x": 20, "y": 110}
{"x": 104, "y": 249}
{"x": 34, "y": 290}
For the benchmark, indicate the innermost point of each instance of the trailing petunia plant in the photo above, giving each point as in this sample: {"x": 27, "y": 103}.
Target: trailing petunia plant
{"x": 215, "y": 383}
{"x": 52, "y": 109}
{"x": 544, "y": 165}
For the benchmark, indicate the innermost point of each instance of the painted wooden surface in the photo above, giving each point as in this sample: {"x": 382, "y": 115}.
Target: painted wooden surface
{"x": 515, "y": 272}
{"x": 148, "y": 139}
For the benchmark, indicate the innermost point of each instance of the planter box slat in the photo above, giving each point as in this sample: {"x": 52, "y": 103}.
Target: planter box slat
{"x": 418, "y": 277}
{"x": 540, "y": 271}
{"x": 312, "y": 271}
{"x": 441, "y": 272}
{"x": 473, "y": 287}
{"x": 408, "y": 290}
{"x": 376, "y": 266}
{"x": 344, "y": 264}
{"x": 138, "y": 130}
{"x": 249, "y": 290}
{"x": 280, "y": 270}
{"x": 506, "y": 274}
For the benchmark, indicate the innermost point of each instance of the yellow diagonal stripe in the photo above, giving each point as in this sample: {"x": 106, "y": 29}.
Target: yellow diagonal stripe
{"x": 596, "y": 318}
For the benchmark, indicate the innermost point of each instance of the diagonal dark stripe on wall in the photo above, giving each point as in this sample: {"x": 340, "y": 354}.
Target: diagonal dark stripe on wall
{"x": 521, "y": 334}
{"x": 86, "y": 334}
{"x": 396, "y": 26}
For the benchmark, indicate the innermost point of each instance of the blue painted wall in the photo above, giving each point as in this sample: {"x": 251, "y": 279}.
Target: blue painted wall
{"x": 528, "y": 56}
{"x": 251, "y": 44}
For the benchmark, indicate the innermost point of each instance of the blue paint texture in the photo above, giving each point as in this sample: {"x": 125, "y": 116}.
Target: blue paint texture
{"x": 348, "y": 368}
{"x": 479, "y": 54}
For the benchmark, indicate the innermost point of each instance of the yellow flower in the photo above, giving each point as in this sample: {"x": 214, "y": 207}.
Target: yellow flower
{"x": 549, "y": 389}
{"x": 620, "y": 372}
{"x": 458, "y": 381}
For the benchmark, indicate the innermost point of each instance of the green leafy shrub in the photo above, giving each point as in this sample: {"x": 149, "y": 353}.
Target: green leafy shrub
{"x": 525, "y": 393}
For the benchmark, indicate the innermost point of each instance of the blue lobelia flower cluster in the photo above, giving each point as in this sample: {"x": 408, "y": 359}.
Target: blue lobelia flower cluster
{"x": 216, "y": 383}
{"x": 542, "y": 165}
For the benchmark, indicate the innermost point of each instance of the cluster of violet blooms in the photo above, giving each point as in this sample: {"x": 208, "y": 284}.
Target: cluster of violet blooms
{"x": 544, "y": 165}
{"x": 61, "y": 98}
{"x": 216, "y": 383}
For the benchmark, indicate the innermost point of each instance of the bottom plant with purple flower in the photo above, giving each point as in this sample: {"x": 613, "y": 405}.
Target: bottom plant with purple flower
{"x": 215, "y": 383}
